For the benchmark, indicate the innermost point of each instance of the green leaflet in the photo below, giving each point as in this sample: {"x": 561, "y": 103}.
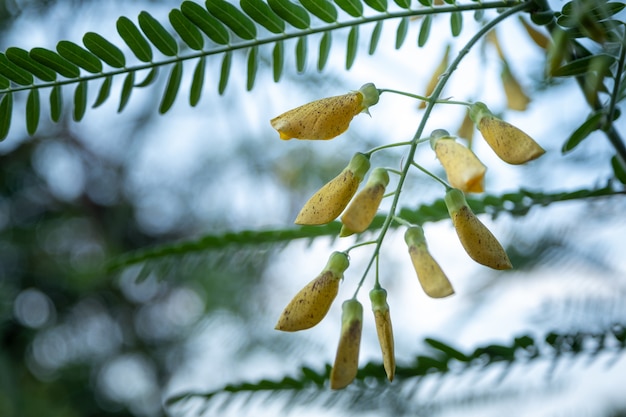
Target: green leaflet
{"x": 424, "y": 30}
{"x": 405, "y": 4}
{"x": 127, "y": 89}
{"x": 233, "y": 18}
{"x": 172, "y": 87}
{"x": 149, "y": 79}
{"x": 55, "y": 62}
{"x": 375, "y": 37}
{"x": 253, "y": 65}
{"x": 293, "y": 14}
{"x": 4, "y": 83}
{"x": 583, "y": 65}
{"x": 79, "y": 56}
{"x": 80, "y": 101}
{"x": 225, "y": 72}
{"x": 56, "y": 103}
{"x": 33, "y": 110}
{"x": 584, "y": 130}
{"x": 197, "y": 82}
{"x": 403, "y": 28}
{"x": 618, "y": 169}
{"x": 278, "y": 60}
{"x": 104, "y": 50}
{"x": 6, "y": 109}
{"x": 263, "y": 15}
{"x": 188, "y": 32}
{"x": 13, "y": 72}
{"x": 324, "y": 50}
{"x": 133, "y": 37}
{"x": 353, "y": 7}
{"x": 104, "y": 92}
{"x": 378, "y": 5}
{"x": 456, "y": 23}
{"x": 322, "y": 9}
{"x": 22, "y": 59}
{"x": 157, "y": 34}
{"x": 301, "y": 53}
{"x": 353, "y": 45}
{"x": 205, "y": 22}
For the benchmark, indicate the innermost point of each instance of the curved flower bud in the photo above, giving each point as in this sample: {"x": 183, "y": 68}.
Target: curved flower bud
{"x": 466, "y": 130}
{"x": 433, "y": 280}
{"x": 330, "y": 200}
{"x": 361, "y": 211}
{"x": 516, "y": 98}
{"x": 326, "y": 118}
{"x": 508, "y": 142}
{"x": 479, "y": 243}
{"x": 347, "y": 358}
{"x": 378, "y": 297}
{"x": 312, "y": 303}
{"x": 434, "y": 79}
{"x": 463, "y": 168}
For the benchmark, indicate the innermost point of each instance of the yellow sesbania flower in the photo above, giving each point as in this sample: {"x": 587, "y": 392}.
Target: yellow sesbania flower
{"x": 479, "y": 243}
{"x": 347, "y": 358}
{"x": 466, "y": 130}
{"x": 539, "y": 38}
{"x": 312, "y": 303}
{"x": 361, "y": 211}
{"x": 507, "y": 141}
{"x": 516, "y": 98}
{"x": 430, "y": 275}
{"x": 434, "y": 79}
{"x": 330, "y": 200}
{"x": 463, "y": 168}
{"x": 325, "y": 118}
{"x": 378, "y": 297}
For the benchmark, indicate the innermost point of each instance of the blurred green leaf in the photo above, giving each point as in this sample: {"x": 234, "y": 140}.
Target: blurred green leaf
{"x": 456, "y": 23}
{"x": 55, "y": 62}
{"x": 378, "y": 5}
{"x": 104, "y": 92}
{"x": 56, "y": 103}
{"x": 188, "y": 32}
{"x": 401, "y": 32}
{"x": 13, "y": 72}
{"x": 6, "y": 109}
{"x": 353, "y": 7}
{"x": 104, "y": 50}
{"x": 79, "y": 56}
{"x": 375, "y": 38}
{"x": 33, "y": 111}
{"x": 225, "y": 72}
{"x": 424, "y": 30}
{"x": 324, "y": 53}
{"x": 233, "y": 18}
{"x": 293, "y": 14}
{"x": 171, "y": 88}
{"x": 157, "y": 34}
{"x": 253, "y": 66}
{"x": 278, "y": 60}
{"x": 197, "y": 82}
{"x": 21, "y": 58}
{"x": 80, "y": 101}
{"x": 353, "y": 46}
{"x": 263, "y": 15}
{"x": 323, "y": 9}
{"x": 301, "y": 53}
{"x": 127, "y": 89}
{"x": 584, "y": 130}
{"x": 205, "y": 22}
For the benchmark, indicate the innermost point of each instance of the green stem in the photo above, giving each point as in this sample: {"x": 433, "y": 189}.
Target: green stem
{"x": 420, "y": 129}
{"x": 430, "y": 174}
{"x": 391, "y": 145}
{"x": 423, "y": 98}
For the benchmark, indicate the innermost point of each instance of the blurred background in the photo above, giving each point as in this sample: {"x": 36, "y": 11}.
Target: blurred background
{"x": 78, "y": 339}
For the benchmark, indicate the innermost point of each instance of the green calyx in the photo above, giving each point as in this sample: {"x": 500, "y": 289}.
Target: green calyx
{"x": 352, "y": 311}
{"x": 414, "y": 236}
{"x": 378, "y": 176}
{"x": 378, "y": 297}
{"x": 370, "y": 96}
{"x": 477, "y": 111}
{"x": 437, "y": 135}
{"x": 359, "y": 165}
{"x": 455, "y": 200}
{"x": 337, "y": 263}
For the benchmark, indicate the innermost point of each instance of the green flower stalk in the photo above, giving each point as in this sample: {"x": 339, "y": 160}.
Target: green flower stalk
{"x": 330, "y": 200}
{"x": 507, "y": 141}
{"x": 384, "y": 330}
{"x": 361, "y": 211}
{"x": 346, "y": 363}
{"x": 326, "y": 118}
{"x": 430, "y": 275}
{"x": 479, "y": 243}
{"x": 312, "y": 303}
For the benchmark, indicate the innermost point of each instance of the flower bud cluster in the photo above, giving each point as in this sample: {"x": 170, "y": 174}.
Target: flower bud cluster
{"x": 340, "y": 198}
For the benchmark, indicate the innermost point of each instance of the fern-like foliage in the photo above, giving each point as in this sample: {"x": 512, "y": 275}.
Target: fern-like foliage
{"x": 442, "y": 358}
{"x": 194, "y": 34}
{"x": 517, "y": 204}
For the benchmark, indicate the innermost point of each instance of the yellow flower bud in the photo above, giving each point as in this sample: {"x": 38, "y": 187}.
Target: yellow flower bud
{"x": 516, "y": 98}
{"x": 361, "y": 211}
{"x": 326, "y": 118}
{"x": 463, "y": 168}
{"x": 430, "y": 275}
{"x": 479, "y": 243}
{"x": 378, "y": 297}
{"x": 347, "y": 358}
{"x": 330, "y": 200}
{"x": 466, "y": 130}
{"x": 539, "y": 38}
{"x": 434, "y": 79}
{"x": 312, "y": 303}
{"x": 507, "y": 141}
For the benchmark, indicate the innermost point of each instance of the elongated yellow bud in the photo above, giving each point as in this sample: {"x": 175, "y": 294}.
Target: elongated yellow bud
{"x": 434, "y": 79}
{"x": 378, "y": 297}
{"x": 430, "y": 275}
{"x": 347, "y": 358}
{"x": 312, "y": 303}
{"x": 541, "y": 40}
{"x": 466, "y": 130}
{"x": 507, "y": 141}
{"x": 516, "y": 98}
{"x": 479, "y": 243}
{"x": 463, "y": 168}
{"x": 330, "y": 200}
{"x": 326, "y": 118}
{"x": 361, "y": 211}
